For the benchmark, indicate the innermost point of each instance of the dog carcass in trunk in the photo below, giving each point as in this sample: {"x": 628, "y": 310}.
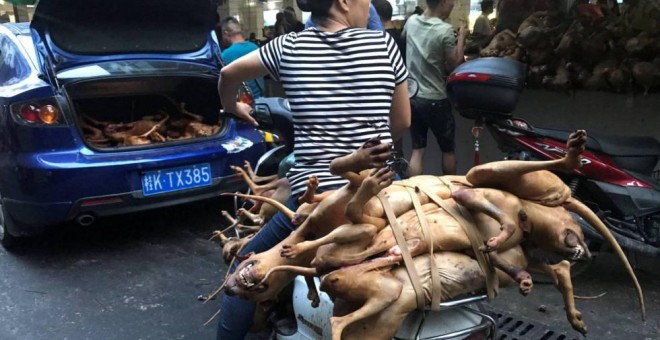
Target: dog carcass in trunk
{"x": 146, "y": 111}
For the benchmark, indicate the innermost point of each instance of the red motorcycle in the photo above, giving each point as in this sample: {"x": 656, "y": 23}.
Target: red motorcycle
{"x": 617, "y": 179}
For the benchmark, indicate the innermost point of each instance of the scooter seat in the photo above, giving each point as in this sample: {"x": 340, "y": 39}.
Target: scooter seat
{"x": 639, "y": 154}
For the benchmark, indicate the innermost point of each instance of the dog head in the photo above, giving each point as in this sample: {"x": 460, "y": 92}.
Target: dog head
{"x": 553, "y": 229}
{"x": 247, "y": 280}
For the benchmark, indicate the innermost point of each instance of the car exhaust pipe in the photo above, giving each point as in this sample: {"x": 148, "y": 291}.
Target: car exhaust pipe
{"x": 85, "y": 220}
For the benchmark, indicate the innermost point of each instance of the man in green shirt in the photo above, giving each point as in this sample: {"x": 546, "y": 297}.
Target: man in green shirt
{"x": 432, "y": 51}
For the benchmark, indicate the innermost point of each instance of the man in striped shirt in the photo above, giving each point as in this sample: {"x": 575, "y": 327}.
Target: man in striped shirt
{"x": 346, "y": 85}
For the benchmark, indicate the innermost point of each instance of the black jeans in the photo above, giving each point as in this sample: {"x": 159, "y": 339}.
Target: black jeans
{"x": 436, "y": 115}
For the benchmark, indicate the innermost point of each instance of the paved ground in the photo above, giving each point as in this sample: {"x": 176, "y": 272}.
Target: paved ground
{"x": 138, "y": 277}
{"x": 616, "y": 315}
{"x": 135, "y": 277}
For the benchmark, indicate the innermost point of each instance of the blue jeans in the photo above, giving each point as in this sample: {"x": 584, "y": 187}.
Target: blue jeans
{"x": 236, "y": 314}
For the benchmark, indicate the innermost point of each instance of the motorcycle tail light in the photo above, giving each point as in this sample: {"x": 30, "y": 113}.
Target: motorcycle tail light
{"x": 246, "y": 98}
{"x": 245, "y": 95}
{"x": 40, "y": 112}
{"x": 470, "y": 76}
{"x": 521, "y": 124}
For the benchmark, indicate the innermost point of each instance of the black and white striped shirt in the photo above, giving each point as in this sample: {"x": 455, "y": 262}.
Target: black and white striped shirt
{"x": 339, "y": 86}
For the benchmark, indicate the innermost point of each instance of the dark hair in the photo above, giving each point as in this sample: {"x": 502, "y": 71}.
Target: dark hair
{"x": 320, "y": 8}
{"x": 231, "y": 26}
{"x": 384, "y": 9}
{"x": 486, "y": 5}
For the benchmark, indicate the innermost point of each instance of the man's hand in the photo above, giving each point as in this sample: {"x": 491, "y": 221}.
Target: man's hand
{"x": 462, "y": 32}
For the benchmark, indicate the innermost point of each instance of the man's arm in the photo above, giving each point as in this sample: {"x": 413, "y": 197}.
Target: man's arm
{"x": 455, "y": 57}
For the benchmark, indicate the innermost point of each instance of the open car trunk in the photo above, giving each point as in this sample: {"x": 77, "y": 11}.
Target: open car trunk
{"x": 146, "y": 111}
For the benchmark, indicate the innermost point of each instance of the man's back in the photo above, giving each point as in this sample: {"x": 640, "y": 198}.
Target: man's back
{"x": 237, "y": 50}
{"x": 428, "y": 40}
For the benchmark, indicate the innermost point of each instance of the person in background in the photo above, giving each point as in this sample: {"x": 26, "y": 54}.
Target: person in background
{"x": 281, "y": 26}
{"x": 431, "y": 53}
{"x": 511, "y": 13}
{"x": 384, "y": 10}
{"x": 482, "y": 31}
{"x": 294, "y": 24}
{"x": 232, "y": 36}
{"x": 333, "y": 114}
{"x": 253, "y": 39}
{"x": 373, "y": 24}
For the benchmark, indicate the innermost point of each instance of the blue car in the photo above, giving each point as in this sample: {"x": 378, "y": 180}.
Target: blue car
{"x": 111, "y": 107}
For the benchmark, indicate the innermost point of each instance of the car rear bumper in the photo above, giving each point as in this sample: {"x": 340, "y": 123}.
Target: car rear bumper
{"x": 34, "y": 218}
{"x": 45, "y": 189}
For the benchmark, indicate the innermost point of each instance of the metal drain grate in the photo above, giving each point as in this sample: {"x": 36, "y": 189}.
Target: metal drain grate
{"x": 514, "y": 327}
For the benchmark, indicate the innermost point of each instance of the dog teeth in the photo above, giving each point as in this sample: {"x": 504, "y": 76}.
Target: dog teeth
{"x": 244, "y": 279}
{"x": 578, "y": 253}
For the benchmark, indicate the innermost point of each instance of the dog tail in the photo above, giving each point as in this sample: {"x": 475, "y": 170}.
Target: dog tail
{"x": 579, "y": 208}
{"x": 281, "y": 207}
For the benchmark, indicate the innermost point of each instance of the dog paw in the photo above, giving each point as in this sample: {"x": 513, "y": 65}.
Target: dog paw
{"x": 308, "y": 195}
{"x": 575, "y": 318}
{"x": 378, "y": 180}
{"x": 526, "y": 286}
{"x": 576, "y": 146}
{"x": 395, "y": 251}
{"x": 290, "y": 251}
{"x": 485, "y": 248}
{"x": 236, "y": 169}
{"x": 314, "y": 298}
{"x": 313, "y": 183}
{"x": 492, "y": 244}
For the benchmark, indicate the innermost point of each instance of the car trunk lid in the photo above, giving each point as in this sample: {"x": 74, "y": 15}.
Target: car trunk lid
{"x": 73, "y": 33}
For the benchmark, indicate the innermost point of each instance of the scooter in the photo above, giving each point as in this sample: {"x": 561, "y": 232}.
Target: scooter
{"x": 617, "y": 178}
{"x": 457, "y": 319}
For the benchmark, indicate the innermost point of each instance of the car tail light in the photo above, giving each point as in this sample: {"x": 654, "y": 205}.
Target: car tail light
{"x": 40, "y": 112}
{"x": 49, "y": 114}
{"x": 30, "y": 113}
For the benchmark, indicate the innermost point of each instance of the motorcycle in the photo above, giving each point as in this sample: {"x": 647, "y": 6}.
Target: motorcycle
{"x": 457, "y": 319}
{"x": 617, "y": 179}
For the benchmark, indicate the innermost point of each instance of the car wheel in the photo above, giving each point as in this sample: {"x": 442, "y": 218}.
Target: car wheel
{"x": 9, "y": 241}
